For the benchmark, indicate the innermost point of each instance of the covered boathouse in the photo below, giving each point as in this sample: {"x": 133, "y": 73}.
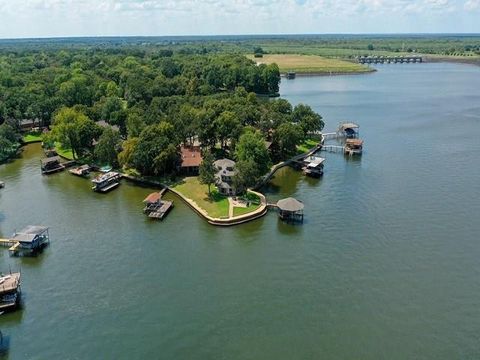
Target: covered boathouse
{"x": 155, "y": 207}
{"x": 9, "y": 291}
{"x": 51, "y": 165}
{"x": 353, "y": 147}
{"x": 348, "y": 130}
{"x": 29, "y": 240}
{"x": 290, "y": 210}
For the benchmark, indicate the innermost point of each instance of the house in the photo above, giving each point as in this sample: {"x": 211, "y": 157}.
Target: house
{"x": 224, "y": 176}
{"x": 191, "y": 159}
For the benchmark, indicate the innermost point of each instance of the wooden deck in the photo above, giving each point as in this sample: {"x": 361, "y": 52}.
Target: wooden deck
{"x": 161, "y": 211}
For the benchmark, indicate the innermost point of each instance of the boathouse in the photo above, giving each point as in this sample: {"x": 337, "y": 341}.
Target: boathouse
{"x": 155, "y": 207}
{"x": 51, "y": 165}
{"x": 9, "y": 291}
{"x": 290, "y": 209}
{"x": 191, "y": 159}
{"x": 353, "y": 147}
{"x": 83, "y": 170}
{"x": 106, "y": 182}
{"x": 313, "y": 166}
{"x": 348, "y": 130}
{"x": 224, "y": 177}
{"x": 29, "y": 240}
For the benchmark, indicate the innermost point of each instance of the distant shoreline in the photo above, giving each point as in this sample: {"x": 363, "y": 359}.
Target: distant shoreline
{"x": 333, "y": 73}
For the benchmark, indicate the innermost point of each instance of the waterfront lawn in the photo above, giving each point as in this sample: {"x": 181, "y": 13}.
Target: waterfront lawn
{"x": 32, "y": 137}
{"x": 65, "y": 153}
{"x": 311, "y": 64}
{"x": 237, "y": 211}
{"x": 307, "y": 145}
{"x": 216, "y": 206}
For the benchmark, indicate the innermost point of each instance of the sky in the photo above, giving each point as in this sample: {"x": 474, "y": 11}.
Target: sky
{"x": 58, "y": 18}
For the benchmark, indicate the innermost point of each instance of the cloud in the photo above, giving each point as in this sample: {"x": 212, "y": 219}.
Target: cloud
{"x": 472, "y": 5}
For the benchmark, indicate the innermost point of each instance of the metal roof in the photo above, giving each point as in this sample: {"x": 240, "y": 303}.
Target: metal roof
{"x": 29, "y": 233}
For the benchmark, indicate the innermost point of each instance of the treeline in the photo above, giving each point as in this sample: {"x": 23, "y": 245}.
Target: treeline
{"x": 33, "y": 85}
{"x": 151, "y": 102}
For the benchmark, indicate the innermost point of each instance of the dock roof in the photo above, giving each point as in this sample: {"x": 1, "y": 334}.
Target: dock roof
{"x": 153, "y": 198}
{"x": 355, "y": 142}
{"x": 290, "y": 204}
{"x": 29, "y": 233}
{"x": 9, "y": 282}
{"x": 52, "y": 159}
{"x": 348, "y": 125}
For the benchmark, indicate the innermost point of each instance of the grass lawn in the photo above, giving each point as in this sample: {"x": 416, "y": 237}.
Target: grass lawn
{"x": 307, "y": 145}
{"x": 241, "y": 211}
{"x": 311, "y": 64}
{"x": 32, "y": 137}
{"x": 66, "y": 153}
{"x": 216, "y": 206}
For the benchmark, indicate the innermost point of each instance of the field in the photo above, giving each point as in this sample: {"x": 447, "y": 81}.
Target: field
{"x": 216, "y": 206}
{"x": 32, "y": 137}
{"x": 311, "y": 64}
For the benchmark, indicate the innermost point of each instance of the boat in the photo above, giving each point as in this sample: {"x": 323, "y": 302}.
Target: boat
{"x": 313, "y": 166}
{"x": 2, "y": 184}
{"x": 9, "y": 291}
{"x": 106, "y": 182}
{"x": 83, "y": 170}
{"x": 105, "y": 169}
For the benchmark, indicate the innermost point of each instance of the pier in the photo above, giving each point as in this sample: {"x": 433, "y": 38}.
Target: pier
{"x": 389, "y": 59}
{"x": 155, "y": 207}
{"x": 28, "y": 241}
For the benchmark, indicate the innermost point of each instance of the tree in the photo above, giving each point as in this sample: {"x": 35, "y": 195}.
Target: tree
{"x": 246, "y": 174}
{"x": 308, "y": 119}
{"x": 106, "y": 148}
{"x": 251, "y": 146}
{"x": 370, "y": 47}
{"x": 287, "y": 137}
{"x": 74, "y": 130}
{"x": 126, "y": 156}
{"x": 156, "y": 151}
{"x": 207, "y": 170}
{"x": 228, "y": 127}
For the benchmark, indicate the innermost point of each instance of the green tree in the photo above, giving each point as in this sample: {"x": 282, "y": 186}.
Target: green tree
{"x": 286, "y": 138}
{"x": 74, "y": 130}
{"x": 251, "y": 146}
{"x": 156, "y": 151}
{"x": 207, "y": 170}
{"x": 126, "y": 156}
{"x": 308, "y": 119}
{"x": 106, "y": 149}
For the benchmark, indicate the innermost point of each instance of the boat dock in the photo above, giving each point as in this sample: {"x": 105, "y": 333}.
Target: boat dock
{"x": 9, "y": 291}
{"x": 155, "y": 207}
{"x": 105, "y": 182}
{"x": 28, "y": 241}
{"x": 51, "y": 165}
{"x": 83, "y": 170}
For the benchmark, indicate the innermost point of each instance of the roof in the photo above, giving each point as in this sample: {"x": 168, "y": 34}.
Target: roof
{"x": 9, "y": 282}
{"x": 314, "y": 160}
{"x": 345, "y": 126}
{"x": 356, "y": 142}
{"x": 29, "y": 233}
{"x": 153, "y": 197}
{"x": 51, "y": 160}
{"x": 191, "y": 156}
{"x": 105, "y": 124}
{"x": 224, "y": 163}
{"x": 290, "y": 204}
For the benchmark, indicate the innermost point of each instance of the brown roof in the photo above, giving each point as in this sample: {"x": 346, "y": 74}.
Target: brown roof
{"x": 153, "y": 197}
{"x": 356, "y": 142}
{"x": 191, "y": 156}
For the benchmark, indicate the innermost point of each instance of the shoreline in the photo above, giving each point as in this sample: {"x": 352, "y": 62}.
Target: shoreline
{"x": 333, "y": 73}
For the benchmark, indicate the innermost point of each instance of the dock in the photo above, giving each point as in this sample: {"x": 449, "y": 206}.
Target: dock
{"x": 106, "y": 182}
{"x": 9, "y": 291}
{"x": 155, "y": 207}
{"x": 51, "y": 165}
{"x": 83, "y": 170}
{"x": 28, "y": 241}
{"x": 389, "y": 59}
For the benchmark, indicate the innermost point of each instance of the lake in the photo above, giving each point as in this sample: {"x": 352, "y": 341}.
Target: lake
{"x": 386, "y": 264}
